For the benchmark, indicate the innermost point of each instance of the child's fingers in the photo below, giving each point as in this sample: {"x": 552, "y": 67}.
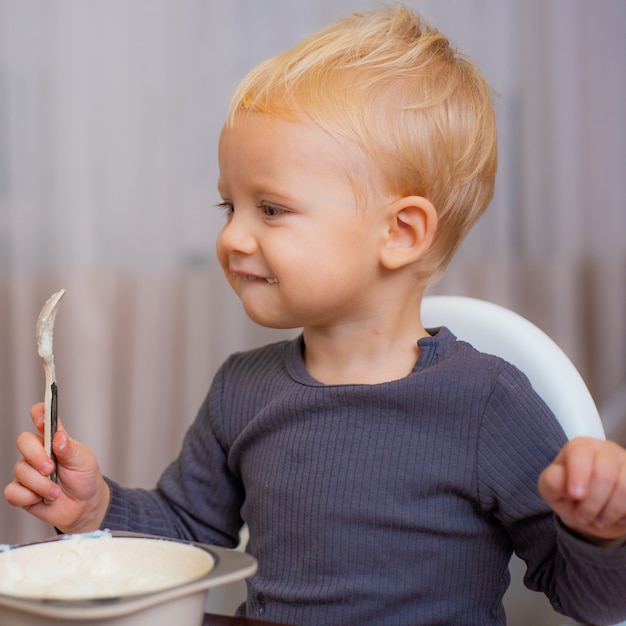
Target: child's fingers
{"x": 578, "y": 458}
{"x": 600, "y": 486}
{"x": 17, "y": 495}
{"x": 586, "y": 487}
{"x": 37, "y": 414}
{"x": 552, "y": 483}
{"x": 614, "y": 512}
{"x": 29, "y": 487}
{"x": 69, "y": 453}
{"x": 567, "y": 477}
{"x": 31, "y": 448}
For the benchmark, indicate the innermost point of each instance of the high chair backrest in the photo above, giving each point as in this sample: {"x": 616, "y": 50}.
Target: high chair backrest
{"x": 497, "y": 330}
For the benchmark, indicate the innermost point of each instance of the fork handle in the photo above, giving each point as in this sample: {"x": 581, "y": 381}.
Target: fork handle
{"x": 50, "y": 425}
{"x": 53, "y": 426}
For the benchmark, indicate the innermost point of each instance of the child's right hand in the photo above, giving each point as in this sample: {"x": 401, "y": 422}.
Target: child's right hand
{"x": 80, "y": 499}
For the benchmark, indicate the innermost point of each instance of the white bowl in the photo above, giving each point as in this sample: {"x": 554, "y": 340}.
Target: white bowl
{"x": 113, "y": 579}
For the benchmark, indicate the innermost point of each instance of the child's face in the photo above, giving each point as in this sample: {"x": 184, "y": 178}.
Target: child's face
{"x": 298, "y": 248}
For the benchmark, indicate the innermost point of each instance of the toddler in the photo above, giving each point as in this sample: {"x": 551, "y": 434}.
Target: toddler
{"x": 386, "y": 471}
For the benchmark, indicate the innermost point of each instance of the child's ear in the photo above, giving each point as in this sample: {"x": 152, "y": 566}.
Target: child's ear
{"x": 411, "y": 226}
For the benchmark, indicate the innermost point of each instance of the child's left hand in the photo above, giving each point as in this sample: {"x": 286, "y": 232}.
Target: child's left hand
{"x": 586, "y": 487}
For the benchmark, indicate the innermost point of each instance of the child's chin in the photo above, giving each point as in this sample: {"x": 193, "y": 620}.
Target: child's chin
{"x": 266, "y": 319}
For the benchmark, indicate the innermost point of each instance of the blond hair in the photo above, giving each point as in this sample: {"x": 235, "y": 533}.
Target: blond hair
{"x": 396, "y": 87}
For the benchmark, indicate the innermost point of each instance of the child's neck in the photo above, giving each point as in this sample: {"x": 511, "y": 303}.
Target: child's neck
{"x": 365, "y": 354}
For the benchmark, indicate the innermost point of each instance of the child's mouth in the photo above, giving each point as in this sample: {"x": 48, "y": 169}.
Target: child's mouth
{"x": 271, "y": 280}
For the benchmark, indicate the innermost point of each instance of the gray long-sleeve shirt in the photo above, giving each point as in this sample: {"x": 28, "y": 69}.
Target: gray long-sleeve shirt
{"x": 394, "y": 503}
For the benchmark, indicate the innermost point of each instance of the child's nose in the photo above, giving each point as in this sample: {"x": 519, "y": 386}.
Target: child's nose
{"x": 237, "y": 236}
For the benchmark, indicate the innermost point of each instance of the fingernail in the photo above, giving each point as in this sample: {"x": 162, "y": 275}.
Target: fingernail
{"x": 55, "y": 492}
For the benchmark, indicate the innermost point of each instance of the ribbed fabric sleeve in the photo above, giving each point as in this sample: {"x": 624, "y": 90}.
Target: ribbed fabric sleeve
{"x": 397, "y": 503}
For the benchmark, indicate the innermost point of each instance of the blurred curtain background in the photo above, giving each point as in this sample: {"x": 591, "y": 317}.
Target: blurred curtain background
{"x": 109, "y": 117}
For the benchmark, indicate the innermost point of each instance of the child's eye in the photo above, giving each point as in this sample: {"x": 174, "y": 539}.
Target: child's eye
{"x": 226, "y": 207}
{"x": 271, "y": 211}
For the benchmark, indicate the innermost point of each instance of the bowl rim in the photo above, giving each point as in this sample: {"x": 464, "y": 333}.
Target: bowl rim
{"x": 229, "y": 566}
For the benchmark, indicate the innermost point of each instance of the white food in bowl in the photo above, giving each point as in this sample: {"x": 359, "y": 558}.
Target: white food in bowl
{"x": 96, "y": 565}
